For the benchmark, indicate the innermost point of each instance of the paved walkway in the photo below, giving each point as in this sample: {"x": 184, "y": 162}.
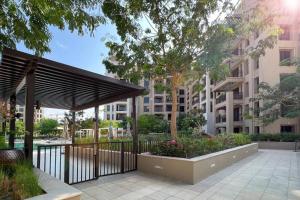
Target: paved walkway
{"x": 267, "y": 175}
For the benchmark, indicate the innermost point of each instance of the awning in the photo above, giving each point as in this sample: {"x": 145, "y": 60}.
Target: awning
{"x": 58, "y": 85}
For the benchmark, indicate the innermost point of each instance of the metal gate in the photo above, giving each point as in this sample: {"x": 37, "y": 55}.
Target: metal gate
{"x": 75, "y": 163}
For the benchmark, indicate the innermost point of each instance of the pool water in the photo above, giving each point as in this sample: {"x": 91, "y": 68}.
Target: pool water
{"x": 21, "y": 146}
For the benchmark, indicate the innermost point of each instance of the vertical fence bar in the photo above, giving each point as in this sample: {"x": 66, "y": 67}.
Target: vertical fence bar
{"x": 38, "y": 162}
{"x": 67, "y": 164}
{"x": 122, "y": 157}
{"x": 96, "y": 160}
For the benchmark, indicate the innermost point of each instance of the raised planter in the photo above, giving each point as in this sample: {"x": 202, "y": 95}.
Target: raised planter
{"x": 277, "y": 145}
{"x": 196, "y": 169}
{"x": 54, "y": 189}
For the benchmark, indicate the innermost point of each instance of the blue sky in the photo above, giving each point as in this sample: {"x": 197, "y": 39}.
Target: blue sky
{"x": 86, "y": 52}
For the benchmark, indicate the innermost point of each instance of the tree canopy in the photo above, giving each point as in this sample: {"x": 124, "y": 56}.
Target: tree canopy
{"x": 281, "y": 100}
{"x": 46, "y": 126}
{"x": 178, "y": 40}
{"x": 28, "y": 21}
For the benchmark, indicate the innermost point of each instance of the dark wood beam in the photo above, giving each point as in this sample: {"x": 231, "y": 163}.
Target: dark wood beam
{"x": 12, "y": 122}
{"x": 73, "y": 127}
{"x": 134, "y": 130}
{"x": 109, "y": 99}
{"x": 29, "y": 114}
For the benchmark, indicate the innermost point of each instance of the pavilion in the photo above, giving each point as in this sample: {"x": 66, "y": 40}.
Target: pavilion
{"x": 38, "y": 82}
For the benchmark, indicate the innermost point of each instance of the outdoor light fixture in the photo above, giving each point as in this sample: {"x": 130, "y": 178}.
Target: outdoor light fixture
{"x": 37, "y": 105}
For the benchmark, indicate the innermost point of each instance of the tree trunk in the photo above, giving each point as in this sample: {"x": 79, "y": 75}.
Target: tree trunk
{"x": 174, "y": 113}
{"x": 175, "y": 83}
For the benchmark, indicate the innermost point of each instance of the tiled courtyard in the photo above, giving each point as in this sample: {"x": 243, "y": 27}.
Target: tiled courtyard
{"x": 267, "y": 175}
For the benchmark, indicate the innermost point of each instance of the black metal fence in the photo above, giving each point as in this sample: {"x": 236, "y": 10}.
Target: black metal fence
{"x": 82, "y": 162}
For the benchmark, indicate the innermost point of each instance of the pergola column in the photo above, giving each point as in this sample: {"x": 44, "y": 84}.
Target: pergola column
{"x": 29, "y": 114}
{"x": 73, "y": 127}
{"x": 96, "y": 131}
{"x": 134, "y": 131}
{"x": 96, "y": 137}
{"x": 12, "y": 122}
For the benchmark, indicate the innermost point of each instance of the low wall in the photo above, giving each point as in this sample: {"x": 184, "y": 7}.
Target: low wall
{"x": 196, "y": 169}
{"x": 277, "y": 145}
{"x": 55, "y": 189}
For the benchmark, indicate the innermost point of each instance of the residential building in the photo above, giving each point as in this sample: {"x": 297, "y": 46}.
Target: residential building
{"x": 233, "y": 109}
{"x": 38, "y": 113}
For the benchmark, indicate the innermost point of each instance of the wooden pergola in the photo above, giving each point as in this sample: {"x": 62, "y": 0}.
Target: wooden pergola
{"x": 38, "y": 82}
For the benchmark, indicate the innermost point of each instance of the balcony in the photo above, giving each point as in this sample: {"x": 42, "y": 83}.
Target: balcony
{"x": 203, "y": 98}
{"x": 221, "y": 99}
{"x": 237, "y": 96}
{"x": 158, "y": 109}
{"x": 220, "y": 119}
{"x": 229, "y": 84}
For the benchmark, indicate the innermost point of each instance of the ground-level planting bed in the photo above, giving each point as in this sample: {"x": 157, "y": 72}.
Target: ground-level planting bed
{"x": 18, "y": 181}
{"x": 192, "y": 160}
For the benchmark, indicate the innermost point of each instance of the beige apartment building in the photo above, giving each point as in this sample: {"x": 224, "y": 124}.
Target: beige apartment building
{"x": 38, "y": 113}
{"x": 226, "y": 104}
{"x": 232, "y": 96}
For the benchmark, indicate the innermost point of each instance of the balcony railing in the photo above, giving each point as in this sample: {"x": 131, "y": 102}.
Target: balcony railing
{"x": 220, "y": 119}
{"x": 237, "y": 95}
{"x": 221, "y": 99}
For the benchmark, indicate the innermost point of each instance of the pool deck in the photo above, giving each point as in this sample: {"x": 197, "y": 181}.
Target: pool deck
{"x": 266, "y": 175}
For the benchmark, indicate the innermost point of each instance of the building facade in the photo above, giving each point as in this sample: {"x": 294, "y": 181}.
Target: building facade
{"x": 233, "y": 109}
{"x": 38, "y": 113}
{"x": 227, "y": 104}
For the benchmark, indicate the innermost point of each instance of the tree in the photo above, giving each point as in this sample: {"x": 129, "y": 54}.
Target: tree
{"x": 281, "y": 100}
{"x": 151, "y": 124}
{"x": 87, "y": 123}
{"x": 47, "y": 126}
{"x": 28, "y": 21}
{"x": 191, "y": 122}
{"x": 176, "y": 40}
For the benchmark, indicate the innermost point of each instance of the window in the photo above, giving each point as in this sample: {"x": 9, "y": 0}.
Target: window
{"x": 108, "y": 117}
{"x": 247, "y": 89}
{"x": 168, "y": 99}
{"x": 146, "y": 108}
{"x": 146, "y": 99}
{"x": 168, "y": 108}
{"x": 120, "y": 116}
{"x": 285, "y": 57}
{"x": 158, "y": 100}
{"x": 256, "y": 109}
{"x": 211, "y": 106}
{"x": 247, "y": 42}
{"x": 287, "y": 129}
{"x": 256, "y": 85}
{"x": 146, "y": 84}
{"x": 108, "y": 108}
{"x": 286, "y": 35}
{"x": 169, "y": 116}
{"x": 246, "y": 67}
{"x": 256, "y": 129}
{"x": 121, "y": 107}
{"x": 256, "y": 63}
{"x": 181, "y": 108}
{"x": 181, "y": 92}
{"x": 181, "y": 100}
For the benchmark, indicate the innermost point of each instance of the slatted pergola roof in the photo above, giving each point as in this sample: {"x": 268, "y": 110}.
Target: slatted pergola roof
{"x": 58, "y": 85}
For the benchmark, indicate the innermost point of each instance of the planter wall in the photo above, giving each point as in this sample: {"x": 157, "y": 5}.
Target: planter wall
{"x": 277, "y": 145}
{"x": 196, "y": 169}
{"x": 55, "y": 189}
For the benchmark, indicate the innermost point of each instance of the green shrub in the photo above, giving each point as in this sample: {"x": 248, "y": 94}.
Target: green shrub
{"x": 279, "y": 137}
{"x": 151, "y": 124}
{"x": 189, "y": 147}
{"x": 25, "y": 182}
{"x": 3, "y": 145}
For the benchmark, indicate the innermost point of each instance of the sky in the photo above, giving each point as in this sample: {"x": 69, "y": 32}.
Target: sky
{"x": 85, "y": 52}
